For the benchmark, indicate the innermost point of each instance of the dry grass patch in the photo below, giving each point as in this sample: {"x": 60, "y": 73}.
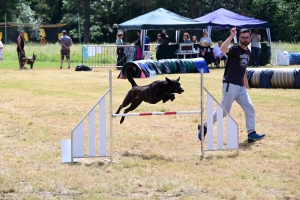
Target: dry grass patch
{"x": 156, "y": 156}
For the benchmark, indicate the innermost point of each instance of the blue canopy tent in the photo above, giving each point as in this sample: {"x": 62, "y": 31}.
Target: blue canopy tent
{"x": 225, "y": 19}
{"x": 161, "y": 19}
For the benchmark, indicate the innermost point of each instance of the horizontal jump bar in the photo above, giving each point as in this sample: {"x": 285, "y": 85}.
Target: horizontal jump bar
{"x": 156, "y": 113}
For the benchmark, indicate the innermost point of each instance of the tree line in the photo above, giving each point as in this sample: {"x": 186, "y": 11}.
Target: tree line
{"x": 99, "y": 18}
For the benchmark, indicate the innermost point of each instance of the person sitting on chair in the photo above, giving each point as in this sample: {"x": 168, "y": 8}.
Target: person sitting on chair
{"x": 218, "y": 54}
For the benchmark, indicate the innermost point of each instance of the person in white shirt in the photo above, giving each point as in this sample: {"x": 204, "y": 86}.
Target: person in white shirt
{"x": 218, "y": 54}
{"x": 1, "y": 51}
{"x": 255, "y": 48}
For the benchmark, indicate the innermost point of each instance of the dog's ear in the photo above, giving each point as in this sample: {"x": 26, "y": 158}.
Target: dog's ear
{"x": 178, "y": 79}
{"x": 168, "y": 80}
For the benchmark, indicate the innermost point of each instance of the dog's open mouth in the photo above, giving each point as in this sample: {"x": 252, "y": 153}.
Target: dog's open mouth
{"x": 179, "y": 91}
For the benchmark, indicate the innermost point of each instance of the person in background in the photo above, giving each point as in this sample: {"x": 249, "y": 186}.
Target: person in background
{"x": 235, "y": 82}
{"x": 66, "y": 43}
{"x": 165, "y": 32}
{"x": 205, "y": 41}
{"x": 255, "y": 48}
{"x": 1, "y": 51}
{"x": 147, "y": 43}
{"x": 158, "y": 38}
{"x": 164, "y": 38}
{"x": 138, "y": 41}
{"x": 20, "y": 50}
{"x": 218, "y": 54}
{"x": 194, "y": 39}
{"x": 186, "y": 37}
{"x": 120, "y": 50}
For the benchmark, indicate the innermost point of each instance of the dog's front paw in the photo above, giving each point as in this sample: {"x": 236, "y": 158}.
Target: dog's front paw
{"x": 172, "y": 97}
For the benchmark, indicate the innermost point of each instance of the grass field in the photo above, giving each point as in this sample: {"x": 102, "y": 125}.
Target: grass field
{"x": 156, "y": 155}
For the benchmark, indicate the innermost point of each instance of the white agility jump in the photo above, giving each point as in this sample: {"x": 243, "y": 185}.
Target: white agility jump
{"x": 94, "y": 143}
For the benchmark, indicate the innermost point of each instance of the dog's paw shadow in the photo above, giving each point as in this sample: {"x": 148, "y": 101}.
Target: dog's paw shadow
{"x": 147, "y": 157}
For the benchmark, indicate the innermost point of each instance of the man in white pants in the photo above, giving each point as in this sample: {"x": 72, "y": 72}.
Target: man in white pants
{"x": 235, "y": 82}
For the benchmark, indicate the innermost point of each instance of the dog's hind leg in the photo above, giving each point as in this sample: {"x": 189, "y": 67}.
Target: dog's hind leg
{"x": 132, "y": 106}
{"x": 125, "y": 102}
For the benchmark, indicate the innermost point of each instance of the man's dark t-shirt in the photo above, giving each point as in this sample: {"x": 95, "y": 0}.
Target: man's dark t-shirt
{"x": 236, "y": 65}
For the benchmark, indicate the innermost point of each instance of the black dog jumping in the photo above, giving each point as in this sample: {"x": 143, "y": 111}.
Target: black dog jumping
{"x": 152, "y": 93}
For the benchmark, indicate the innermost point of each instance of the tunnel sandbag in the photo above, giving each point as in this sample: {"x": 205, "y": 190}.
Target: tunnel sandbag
{"x": 158, "y": 65}
{"x": 145, "y": 68}
{"x": 297, "y": 78}
{"x": 255, "y": 78}
{"x": 165, "y": 67}
{"x": 200, "y": 64}
{"x": 180, "y": 66}
{"x": 283, "y": 78}
{"x": 154, "y": 66}
{"x": 265, "y": 78}
{"x": 261, "y": 78}
{"x": 249, "y": 74}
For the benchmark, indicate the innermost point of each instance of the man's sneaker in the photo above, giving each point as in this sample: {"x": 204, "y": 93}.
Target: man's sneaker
{"x": 200, "y": 131}
{"x": 60, "y": 67}
{"x": 254, "y": 136}
{"x": 68, "y": 67}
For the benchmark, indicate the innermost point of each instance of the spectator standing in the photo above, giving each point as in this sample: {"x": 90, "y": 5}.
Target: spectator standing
{"x": 158, "y": 39}
{"x": 186, "y": 37}
{"x": 139, "y": 47}
{"x": 164, "y": 38}
{"x": 1, "y": 51}
{"x": 205, "y": 41}
{"x": 218, "y": 54}
{"x": 20, "y": 50}
{"x": 255, "y": 48}
{"x": 66, "y": 43}
{"x": 120, "y": 50}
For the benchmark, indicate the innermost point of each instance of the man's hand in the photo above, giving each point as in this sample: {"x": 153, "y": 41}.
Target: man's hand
{"x": 246, "y": 82}
{"x": 233, "y": 32}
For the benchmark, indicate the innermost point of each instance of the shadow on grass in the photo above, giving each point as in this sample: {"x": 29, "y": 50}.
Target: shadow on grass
{"x": 246, "y": 145}
{"x": 147, "y": 157}
{"x": 100, "y": 164}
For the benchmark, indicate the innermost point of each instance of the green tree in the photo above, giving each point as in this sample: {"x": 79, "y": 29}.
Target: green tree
{"x": 28, "y": 18}
{"x": 283, "y": 17}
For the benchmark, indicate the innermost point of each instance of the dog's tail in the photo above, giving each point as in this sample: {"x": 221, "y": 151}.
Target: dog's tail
{"x": 130, "y": 70}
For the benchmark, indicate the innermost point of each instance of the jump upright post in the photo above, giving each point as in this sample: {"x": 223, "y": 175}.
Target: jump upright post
{"x": 95, "y": 138}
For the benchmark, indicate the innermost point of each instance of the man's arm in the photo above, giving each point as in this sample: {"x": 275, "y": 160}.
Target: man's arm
{"x": 246, "y": 81}
{"x": 19, "y": 45}
{"x": 67, "y": 47}
{"x": 71, "y": 43}
{"x": 258, "y": 37}
{"x": 225, "y": 46}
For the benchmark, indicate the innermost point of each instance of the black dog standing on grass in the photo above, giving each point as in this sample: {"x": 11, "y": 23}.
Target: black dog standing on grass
{"x": 152, "y": 93}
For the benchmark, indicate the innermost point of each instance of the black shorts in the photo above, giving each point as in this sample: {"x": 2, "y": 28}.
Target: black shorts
{"x": 21, "y": 56}
{"x": 65, "y": 53}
